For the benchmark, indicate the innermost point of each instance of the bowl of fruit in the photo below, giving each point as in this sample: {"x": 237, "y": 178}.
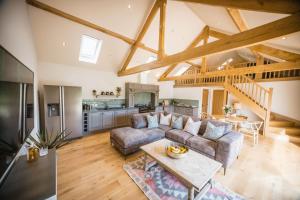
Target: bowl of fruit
{"x": 176, "y": 150}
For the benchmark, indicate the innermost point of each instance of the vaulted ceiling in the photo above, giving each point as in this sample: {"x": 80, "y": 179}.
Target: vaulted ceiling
{"x": 183, "y": 22}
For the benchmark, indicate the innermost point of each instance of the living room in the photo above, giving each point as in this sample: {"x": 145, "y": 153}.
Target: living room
{"x": 149, "y": 99}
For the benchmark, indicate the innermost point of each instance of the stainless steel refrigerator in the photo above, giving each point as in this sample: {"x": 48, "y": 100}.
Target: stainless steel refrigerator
{"x": 61, "y": 108}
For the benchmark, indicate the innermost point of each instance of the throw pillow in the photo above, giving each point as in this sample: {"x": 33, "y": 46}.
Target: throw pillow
{"x": 165, "y": 119}
{"x": 177, "y": 122}
{"x": 152, "y": 121}
{"x": 213, "y": 132}
{"x": 192, "y": 127}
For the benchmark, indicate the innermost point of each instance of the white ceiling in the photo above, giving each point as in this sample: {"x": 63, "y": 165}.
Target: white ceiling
{"x": 183, "y": 22}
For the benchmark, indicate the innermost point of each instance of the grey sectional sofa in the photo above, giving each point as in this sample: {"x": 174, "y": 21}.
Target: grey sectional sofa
{"x": 225, "y": 150}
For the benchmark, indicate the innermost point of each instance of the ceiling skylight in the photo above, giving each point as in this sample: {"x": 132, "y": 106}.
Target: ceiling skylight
{"x": 181, "y": 70}
{"x": 89, "y": 49}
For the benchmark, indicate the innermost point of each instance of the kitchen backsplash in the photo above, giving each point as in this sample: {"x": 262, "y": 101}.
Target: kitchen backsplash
{"x": 183, "y": 101}
{"x": 102, "y": 103}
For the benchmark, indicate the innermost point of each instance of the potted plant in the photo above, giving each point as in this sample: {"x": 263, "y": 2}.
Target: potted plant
{"x": 227, "y": 110}
{"x": 47, "y": 141}
{"x": 118, "y": 91}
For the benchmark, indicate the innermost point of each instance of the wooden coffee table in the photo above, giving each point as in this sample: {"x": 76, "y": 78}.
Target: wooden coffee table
{"x": 194, "y": 170}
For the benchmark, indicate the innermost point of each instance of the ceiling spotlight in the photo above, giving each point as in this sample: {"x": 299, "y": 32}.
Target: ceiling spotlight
{"x": 283, "y": 38}
{"x": 64, "y": 44}
{"x": 129, "y": 6}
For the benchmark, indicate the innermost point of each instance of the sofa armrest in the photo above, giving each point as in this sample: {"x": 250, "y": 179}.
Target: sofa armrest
{"x": 229, "y": 147}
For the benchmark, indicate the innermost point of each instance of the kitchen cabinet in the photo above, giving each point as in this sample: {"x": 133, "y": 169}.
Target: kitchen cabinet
{"x": 94, "y": 121}
{"x": 108, "y": 119}
{"x": 120, "y": 117}
{"x": 190, "y": 111}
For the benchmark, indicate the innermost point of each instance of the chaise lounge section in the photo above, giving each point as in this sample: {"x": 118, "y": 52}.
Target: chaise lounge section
{"x": 225, "y": 149}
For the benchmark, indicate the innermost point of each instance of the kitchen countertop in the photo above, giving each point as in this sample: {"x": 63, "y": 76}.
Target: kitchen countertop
{"x": 186, "y": 106}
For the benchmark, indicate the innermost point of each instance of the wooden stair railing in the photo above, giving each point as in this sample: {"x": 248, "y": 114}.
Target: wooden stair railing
{"x": 258, "y": 98}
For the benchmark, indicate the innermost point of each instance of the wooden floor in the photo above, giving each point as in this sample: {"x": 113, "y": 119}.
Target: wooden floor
{"x": 89, "y": 168}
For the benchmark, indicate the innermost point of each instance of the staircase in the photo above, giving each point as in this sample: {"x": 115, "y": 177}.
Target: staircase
{"x": 256, "y": 97}
{"x": 284, "y": 129}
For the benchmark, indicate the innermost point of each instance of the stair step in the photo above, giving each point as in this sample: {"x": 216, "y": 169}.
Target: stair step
{"x": 293, "y": 131}
{"x": 295, "y": 139}
{"x": 285, "y": 138}
{"x": 281, "y": 123}
{"x": 277, "y": 130}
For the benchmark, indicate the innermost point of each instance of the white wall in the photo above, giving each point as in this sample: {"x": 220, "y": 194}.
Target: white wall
{"x": 286, "y": 98}
{"x": 192, "y": 93}
{"x": 244, "y": 110}
{"x": 16, "y": 36}
{"x": 88, "y": 79}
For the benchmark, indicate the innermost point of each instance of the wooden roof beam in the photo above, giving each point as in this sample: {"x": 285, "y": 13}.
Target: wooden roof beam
{"x": 142, "y": 33}
{"x": 194, "y": 43}
{"x": 86, "y": 23}
{"x": 162, "y": 25}
{"x": 239, "y": 23}
{"x": 256, "y": 35}
{"x": 274, "y": 6}
{"x": 278, "y": 53}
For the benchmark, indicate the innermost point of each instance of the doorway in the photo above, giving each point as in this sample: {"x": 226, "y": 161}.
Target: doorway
{"x": 204, "y": 101}
{"x": 217, "y": 106}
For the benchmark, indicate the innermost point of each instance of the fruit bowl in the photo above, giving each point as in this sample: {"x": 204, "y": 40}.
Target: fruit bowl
{"x": 176, "y": 150}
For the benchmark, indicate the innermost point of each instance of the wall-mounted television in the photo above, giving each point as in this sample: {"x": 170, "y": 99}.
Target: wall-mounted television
{"x": 16, "y": 108}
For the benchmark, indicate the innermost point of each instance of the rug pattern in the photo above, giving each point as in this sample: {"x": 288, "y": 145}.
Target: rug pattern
{"x": 159, "y": 184}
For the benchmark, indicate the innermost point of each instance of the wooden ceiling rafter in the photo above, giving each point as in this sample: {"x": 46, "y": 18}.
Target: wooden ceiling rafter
{"x": 142, "y": 33}
{"x": 86, "y": 23}
{"x": 205, "y": 40}
{"x": 271, "y": 51}
{"x": 247, "y": 38}
{"x": 162, "y": 25}
{"x": 274, "y": 6}
{"x": 241, "y": 24}
{"x": 203, "y": 34}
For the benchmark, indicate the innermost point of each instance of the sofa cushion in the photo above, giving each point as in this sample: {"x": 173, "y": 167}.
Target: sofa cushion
{"x": 202, "y": 145}
{"x": 128, "y": 137}
{"x": 178, "y": 135}
{"x": 139, "y": 121}
{"x": 152, "y": 121}
{"x": 153, "y": 134}
{"x": 164, "y": 127}
{"x": 228, "y": 126}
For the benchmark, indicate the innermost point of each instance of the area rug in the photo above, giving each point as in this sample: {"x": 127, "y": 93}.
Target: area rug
{"x": 159, "y": 184}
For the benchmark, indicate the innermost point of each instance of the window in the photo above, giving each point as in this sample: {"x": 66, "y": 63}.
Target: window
{"x": 151, "y": 59}
{"x": 89, "y": 49}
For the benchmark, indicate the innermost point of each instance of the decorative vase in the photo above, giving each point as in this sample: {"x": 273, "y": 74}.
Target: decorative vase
{"x": 32, "y": 154}
{"x": 43, "y": 151}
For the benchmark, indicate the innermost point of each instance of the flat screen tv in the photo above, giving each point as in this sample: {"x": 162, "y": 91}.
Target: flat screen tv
{"x": 16, "y": 108}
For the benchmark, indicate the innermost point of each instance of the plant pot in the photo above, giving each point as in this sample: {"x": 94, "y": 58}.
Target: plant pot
{"x": 44, "y": 151}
